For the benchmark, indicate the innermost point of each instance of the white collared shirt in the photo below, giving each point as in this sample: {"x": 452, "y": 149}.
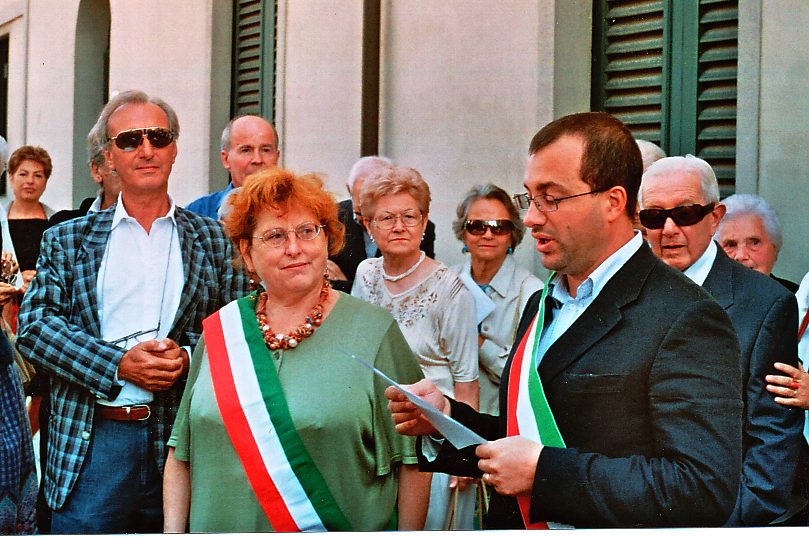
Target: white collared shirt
{"x": 139, "y": 286}
{"x": 96, "y": 206}
{"x": 588, "y": 291}
{"x": 699, "y": 270}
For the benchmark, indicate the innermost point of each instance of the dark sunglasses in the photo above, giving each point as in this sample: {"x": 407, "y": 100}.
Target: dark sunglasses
{"x": 688, "y": 215}
{"x": 131, "y": 139}
{"x": 498, "y": 227}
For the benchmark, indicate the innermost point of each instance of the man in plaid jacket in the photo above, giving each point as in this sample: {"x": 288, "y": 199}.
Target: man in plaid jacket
{"x": 116, "y": 305}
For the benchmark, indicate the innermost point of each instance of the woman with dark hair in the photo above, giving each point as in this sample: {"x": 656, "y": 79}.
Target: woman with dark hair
{"x": 29, "y": 169}
{"x": 490, "y": 228}
{"x": 259, "y": 443}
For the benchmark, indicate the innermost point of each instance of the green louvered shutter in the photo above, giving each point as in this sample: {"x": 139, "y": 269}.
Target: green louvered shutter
{"x": 254, "y": 32}
{"x": 718, "y": 56}
{"x": 667, "y": 68}
{"x": 629, "y": 64}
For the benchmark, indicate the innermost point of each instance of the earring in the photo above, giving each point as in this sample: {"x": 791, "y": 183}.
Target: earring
{"x": 465, "y": 249}
{"x": 510, "y": 250}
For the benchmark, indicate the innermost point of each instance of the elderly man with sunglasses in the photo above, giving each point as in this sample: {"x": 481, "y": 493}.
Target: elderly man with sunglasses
{"x": 116, "y": 306}
{"x": 679, "y": 200}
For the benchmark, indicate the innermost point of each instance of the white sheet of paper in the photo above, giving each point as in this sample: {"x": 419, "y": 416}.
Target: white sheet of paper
{"x": 457, "y": 434}
{"x": 483, "y": 304}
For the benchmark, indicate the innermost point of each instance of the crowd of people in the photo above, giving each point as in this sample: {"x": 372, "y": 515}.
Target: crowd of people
{"x": 210, "y": 368}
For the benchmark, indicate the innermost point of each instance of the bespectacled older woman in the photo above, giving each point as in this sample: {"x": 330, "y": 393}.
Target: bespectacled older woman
{"x": 490, "y": 228}
{"x": 432, "y": 306}
{"x": 280, "y": 428}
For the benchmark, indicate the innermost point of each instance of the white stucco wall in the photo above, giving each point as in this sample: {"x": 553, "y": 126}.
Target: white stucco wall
{"x": 773, "y": 119}
{"x": 319, "y": 81}
{"x": 172, "y": 59}
{"x": 177, "y": 52}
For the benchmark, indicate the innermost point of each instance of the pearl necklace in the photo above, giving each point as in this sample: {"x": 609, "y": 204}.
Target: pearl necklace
{"x": 280, "y": 341}
{"x": 405, "y": 274}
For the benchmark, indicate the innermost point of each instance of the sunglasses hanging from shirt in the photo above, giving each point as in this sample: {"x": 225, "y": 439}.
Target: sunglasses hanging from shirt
{"x": 687, "y": 215}
{"x": 497, "y": 227}
{"x": 131, "y": 139}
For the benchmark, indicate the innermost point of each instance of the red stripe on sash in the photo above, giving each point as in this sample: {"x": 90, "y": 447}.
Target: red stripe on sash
{"x": 512, "y": 425}
{"x": 239, "y": 429}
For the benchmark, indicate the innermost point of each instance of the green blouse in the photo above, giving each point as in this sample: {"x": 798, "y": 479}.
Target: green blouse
{"x": 339, "y": 409}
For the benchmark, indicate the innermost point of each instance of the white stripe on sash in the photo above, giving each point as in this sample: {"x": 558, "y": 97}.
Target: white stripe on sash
{"x": 255, "y": 410}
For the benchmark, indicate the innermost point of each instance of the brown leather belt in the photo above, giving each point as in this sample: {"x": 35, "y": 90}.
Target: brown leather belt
{"x": 123, "y": 413}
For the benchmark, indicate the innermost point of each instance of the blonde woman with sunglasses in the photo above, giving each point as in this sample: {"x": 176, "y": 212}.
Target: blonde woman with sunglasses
{"x": 490, "y": 228}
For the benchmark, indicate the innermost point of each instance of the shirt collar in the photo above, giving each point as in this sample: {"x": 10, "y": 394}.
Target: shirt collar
{"x": 121, "y": 214}
{"x": 702, "y": 266}
{"x": 595, "y": 282}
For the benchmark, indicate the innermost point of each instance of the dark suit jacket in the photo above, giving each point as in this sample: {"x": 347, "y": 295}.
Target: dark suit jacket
{"x": 353, "y": 252}
{"x": 70, "y": 214}
{"x": 765, "y": 316}
{"x": 646, "y": 392}
{"x": 791, "y": 286}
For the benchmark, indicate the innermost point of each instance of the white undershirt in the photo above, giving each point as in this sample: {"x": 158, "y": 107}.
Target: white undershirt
{"x": 140, "y": 282}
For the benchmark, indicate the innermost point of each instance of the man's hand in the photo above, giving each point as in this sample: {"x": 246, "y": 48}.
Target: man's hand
{"x": 407, "y": 416}
{"x": 153, "y": 365}
{"x": 333, "y": 271}
{"x": 509, "y": 464}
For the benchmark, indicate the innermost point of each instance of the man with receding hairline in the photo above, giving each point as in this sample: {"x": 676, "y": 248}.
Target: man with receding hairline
{"x": 249, "y": 144}
{"x": 612, "y": 413}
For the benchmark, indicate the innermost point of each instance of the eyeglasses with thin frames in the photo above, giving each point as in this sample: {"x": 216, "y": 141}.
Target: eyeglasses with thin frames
{"x": 276, "y": 237}
{"x": 389, "y": 220}
{"x": 545, "y": 202}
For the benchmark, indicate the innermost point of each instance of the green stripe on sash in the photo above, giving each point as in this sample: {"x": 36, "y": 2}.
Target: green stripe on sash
{"x": 546, "y": 424}
{"x": 299, "y": 458}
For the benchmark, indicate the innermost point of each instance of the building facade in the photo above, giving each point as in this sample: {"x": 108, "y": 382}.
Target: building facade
{"x": 454, "y": 89}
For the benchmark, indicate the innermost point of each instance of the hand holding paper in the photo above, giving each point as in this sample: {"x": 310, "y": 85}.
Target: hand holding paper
{"x": 408, "y": 417}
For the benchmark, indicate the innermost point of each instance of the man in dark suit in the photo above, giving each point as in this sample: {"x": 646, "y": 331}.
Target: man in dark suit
{"x": 680, "y": 209}
{"x": 639, "y": 366}
{"x": 358, "y": 244}
{"x": 116, "y": 305}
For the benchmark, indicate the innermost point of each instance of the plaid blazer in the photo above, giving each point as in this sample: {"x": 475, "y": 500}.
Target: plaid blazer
{"x": 59, "y": 330}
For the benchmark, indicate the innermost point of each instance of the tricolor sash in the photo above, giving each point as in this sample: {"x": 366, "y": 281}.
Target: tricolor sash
{"x": 528, "y": 412}
{"x": 288, "y": 485}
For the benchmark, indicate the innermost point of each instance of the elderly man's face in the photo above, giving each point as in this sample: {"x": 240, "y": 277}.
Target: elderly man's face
{"x": 144, "y": 169}
{"x": 745, "y": 240}
{"x": 679, "y": 247}
{"x": 253, "y": 147}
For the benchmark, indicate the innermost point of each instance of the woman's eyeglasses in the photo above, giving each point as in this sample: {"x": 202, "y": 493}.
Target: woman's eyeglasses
{"x": 131, "y": 139}
{"x": 497, "y": 227}
{"x": 389, "y": 220}
{"x": 276, "y": 237}
{"x": 687, "y": 215}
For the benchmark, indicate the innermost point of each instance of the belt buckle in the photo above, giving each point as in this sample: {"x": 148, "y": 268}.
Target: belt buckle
{"x": 129, "y": 409}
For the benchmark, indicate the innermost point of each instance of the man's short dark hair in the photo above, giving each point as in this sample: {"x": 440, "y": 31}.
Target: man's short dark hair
{"x": 611, "y": 156}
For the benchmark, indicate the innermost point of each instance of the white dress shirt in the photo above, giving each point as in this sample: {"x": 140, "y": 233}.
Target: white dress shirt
{"x": 140, "y": 283}
{"x": 702, "y": 266}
